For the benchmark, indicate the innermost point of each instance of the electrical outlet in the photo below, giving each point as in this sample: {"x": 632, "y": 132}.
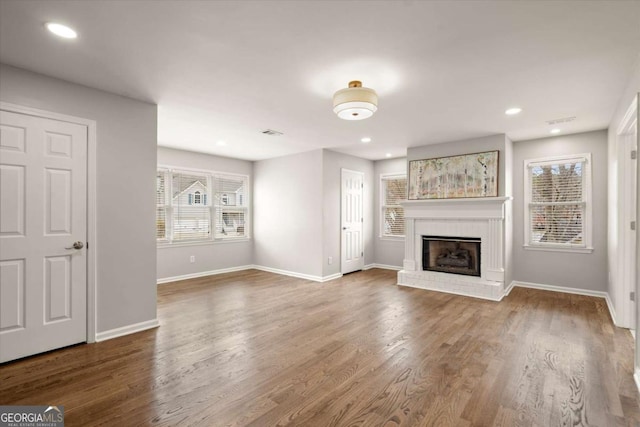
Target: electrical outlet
{"x": 330, "y": 260}
{"x": 192, "y": 259}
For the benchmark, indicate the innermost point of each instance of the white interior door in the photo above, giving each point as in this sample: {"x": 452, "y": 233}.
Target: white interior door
{"x": 352, "y": 254}
{"x": 43, "y": 212}
{"x": 630, "y": 215}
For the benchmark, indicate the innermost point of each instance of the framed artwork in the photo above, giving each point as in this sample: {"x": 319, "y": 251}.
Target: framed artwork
{"x": 465, "y": 176}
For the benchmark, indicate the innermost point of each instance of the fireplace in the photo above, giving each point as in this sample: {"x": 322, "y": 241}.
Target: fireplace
{"x": 487, "y": 219}
{"x": 455, "y": 255}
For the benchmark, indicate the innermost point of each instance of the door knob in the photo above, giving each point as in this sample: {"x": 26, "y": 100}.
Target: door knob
{"x": 344, "y": 228}
{"x": 77, "y": 245}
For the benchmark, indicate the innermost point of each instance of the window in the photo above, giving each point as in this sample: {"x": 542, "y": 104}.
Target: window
{"x": 393, "y": 189}
{"x": 231, "y": 211}
{"x": 183, "y": 213}
{"x": 557, "y": 203}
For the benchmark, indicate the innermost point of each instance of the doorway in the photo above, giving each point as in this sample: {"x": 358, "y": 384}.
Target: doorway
{"x": 45, "y": 227}
{"x": 352, "y": 219}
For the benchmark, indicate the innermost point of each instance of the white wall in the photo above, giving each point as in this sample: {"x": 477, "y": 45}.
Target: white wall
{"x": 174, "y": 261}
{"x": 572, "y": 270}
{"x": 388, "y": 251}
{"x": 332, "y": 164}
{"x": 287, "y": 201}
{"x": 615, "y": 199}
{"x": 126, "y": 164}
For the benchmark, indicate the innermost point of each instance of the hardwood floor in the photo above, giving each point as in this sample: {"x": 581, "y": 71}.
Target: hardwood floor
{"x": 259, "y": 349}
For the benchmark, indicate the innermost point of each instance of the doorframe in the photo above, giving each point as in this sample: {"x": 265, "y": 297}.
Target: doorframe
{"x": 628, "y": 259}
{"x": 342, "y": 171}
{"x": 91, "y": 201}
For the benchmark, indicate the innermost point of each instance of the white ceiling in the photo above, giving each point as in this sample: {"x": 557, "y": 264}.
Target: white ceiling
{"x": 444, "y": 70}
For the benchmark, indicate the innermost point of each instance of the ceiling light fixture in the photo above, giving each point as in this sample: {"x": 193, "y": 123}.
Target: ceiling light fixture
{"x": 513, "y": 111}
{"x": 355, "y": 102}
{"x": 61, "y": 30}
{"x": 366, "y": 139}
{"x": 388, "y": 155}
{"x": 556, "y": 130}
{"x": 221, "y": 143}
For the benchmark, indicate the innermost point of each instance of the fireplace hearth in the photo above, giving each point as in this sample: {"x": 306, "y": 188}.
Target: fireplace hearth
{"x": 454, "y": 255}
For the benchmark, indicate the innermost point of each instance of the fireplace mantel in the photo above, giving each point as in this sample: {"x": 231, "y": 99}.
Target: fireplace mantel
{"x": 483, "y": 218}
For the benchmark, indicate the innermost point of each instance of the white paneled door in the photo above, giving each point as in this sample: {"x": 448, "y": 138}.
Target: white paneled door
{"x": 352, "y": 252}
{"x": 43, "y": 229}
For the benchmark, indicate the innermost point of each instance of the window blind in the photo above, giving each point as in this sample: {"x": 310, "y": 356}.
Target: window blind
{"x": 191, "y": 217}
{"x": 394, "y": 190}
{"x": 231, "y": 206}
{"x": 161, "y": 205}
{"x": 557, "y": 202}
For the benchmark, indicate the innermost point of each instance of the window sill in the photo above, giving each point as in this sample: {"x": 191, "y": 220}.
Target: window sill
{"x": 392, "y": 238}
{"x": 586, "y": 250}
{"x": 165, "y": 245}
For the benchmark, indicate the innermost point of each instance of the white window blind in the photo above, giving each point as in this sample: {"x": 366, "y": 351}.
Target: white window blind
{"x": 231, "y": 206}
{"x": 193, "y": 206}
{"x": 557, "y": 202}
{"x": 393, "y": 190}
{"x": 191, "y": 217}
{"x": 161, "y": 204}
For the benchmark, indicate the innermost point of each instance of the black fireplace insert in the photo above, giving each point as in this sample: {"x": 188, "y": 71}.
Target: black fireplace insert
{"x": 455, "y": 255}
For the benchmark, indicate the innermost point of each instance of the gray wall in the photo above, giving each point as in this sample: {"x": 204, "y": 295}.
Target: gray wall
{"x": 126, "y": 161}
{"x": 332, "y": 164}
{"x": 287, "y": 199}
{"x": 573, "y": 270}
{"x": 388, "y": 251}
{"x": 476, "y": 145}
{"x": 174, "y": 260}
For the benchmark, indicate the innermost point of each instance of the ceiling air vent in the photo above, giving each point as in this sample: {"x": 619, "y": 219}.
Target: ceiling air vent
{"x": 562, "y": 120}
{"x": 272, "y": 132}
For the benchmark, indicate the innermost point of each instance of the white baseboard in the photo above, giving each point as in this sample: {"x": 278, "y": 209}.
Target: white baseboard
{"x": 563, "y": 289}
{"x": 126, "y": 330}
{"x": 382, "y": 266}
{"x": 509, "y": 288}
{"x": 298, "y": 275}
{"x": 576, "y": 291}
{"x": 203, "y": 274}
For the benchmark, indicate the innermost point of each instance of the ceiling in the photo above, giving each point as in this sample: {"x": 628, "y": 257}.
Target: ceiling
{"x": 444, "y": 71}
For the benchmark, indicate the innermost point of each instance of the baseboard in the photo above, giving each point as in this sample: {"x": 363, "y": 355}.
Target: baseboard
{"x": 203, "y": 274}
{"x": 563, "y": 289}
{"x": 636, "y": 377}
{"x": 585, "y": 292}
{"x": 298, "y": 275}
{"x": 509, "y": 288}
{"x": 382, "y": 266}
{"x": 126, "y": 330}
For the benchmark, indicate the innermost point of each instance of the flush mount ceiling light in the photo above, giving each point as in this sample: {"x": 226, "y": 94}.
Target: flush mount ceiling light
{"x": 554, "y": 131}
{"x": 61, "y": 30}
{"x": 355, "y": 102}
{"x": 513, "y": 111}
{"x": 365, "y": 140}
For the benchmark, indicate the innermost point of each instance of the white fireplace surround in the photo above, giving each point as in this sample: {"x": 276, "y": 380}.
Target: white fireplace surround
{"x": 483, "y": 218}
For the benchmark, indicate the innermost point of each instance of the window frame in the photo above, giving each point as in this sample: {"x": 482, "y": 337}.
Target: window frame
{"x": 385, "y": 177}
{"x": 212, "y": 238}
{"x": 587, "y": 218}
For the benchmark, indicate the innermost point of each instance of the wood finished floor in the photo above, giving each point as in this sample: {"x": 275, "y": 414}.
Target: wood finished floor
{"x": 259, "y": 349}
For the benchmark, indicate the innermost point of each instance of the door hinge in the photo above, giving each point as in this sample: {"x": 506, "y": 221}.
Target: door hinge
{"x": 361, "y": 253}
{"x": 87, "y": 245}
{"x": 362, "y": 185}
{"x": 632, "y": 296}
{"x": 634, "y": 154}
{"x": 633, "y": 226}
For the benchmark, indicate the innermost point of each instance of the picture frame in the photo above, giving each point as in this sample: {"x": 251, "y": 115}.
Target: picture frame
{"x": 471, "y": 175}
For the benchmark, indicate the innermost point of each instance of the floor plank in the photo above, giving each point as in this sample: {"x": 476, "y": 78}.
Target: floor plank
{"x": 259, "y": 349}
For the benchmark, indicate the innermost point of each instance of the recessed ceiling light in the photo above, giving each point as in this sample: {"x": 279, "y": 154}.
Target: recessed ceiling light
{"x": 388, "y": 155}
{"x": 513, "y": 111}
{"x": 556, "y": 130}
{"x": 366, "y": 139}
{"x": 221, "y": 143}
{"x": 61, "y": 30}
